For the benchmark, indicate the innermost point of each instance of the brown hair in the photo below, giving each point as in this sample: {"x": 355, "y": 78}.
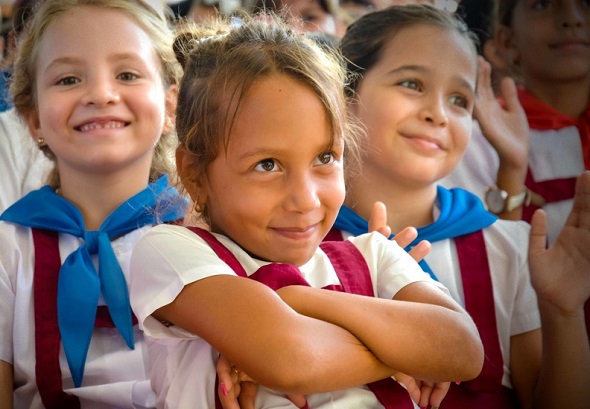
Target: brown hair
{"x": 363, "y": 43}
{"x": 149, "y": 14}
{"x": 502, "y": 13}
{"x": 222, "y": 62}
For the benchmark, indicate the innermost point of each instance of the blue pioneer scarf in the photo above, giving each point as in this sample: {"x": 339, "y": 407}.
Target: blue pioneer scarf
{"x": 461, "y": 212}
{"x": 79, "y": 284}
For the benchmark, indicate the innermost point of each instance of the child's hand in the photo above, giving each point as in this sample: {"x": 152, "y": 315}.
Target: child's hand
{"x": 506, "y": 128}
{"x": 561, "y": 273}
{"x": 238, "y": 391}
{"x": 378, "y": 223}
{"x": 422, "y": 392}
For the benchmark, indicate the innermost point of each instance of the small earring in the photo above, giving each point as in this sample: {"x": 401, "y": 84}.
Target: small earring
{"x": 41, "y": 141}
{"x": 199, "y": 208}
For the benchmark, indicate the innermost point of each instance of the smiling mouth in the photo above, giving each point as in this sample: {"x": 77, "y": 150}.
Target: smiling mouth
{"x": 570, "y": 44}
{"x": 101, "y": 125}
{"x": 295, "y": 232}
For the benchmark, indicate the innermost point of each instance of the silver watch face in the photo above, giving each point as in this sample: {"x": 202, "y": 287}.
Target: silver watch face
{"x": 495, "y": 200}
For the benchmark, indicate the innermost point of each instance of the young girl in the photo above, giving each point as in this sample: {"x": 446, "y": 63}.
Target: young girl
{"x": 415, "y": 91}
{"x": 546, "y": 47}
{"x": 263, "y": 132}
{"x": 94, "y": 81}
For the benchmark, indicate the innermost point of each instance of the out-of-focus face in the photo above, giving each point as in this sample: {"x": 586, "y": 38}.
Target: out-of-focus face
{"x": 278, "y": 188}
{"x": 448, "y": 5}
{"x": 417, "y": 105}
{"x": 550, "y": 40}
{"x": 308, "y": 15}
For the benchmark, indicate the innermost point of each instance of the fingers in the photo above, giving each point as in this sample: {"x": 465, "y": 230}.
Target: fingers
{"x": 421, "y": 250}
{"x": 229, "y": 387}
{"x": 580, "y": 215}
{"x": 410, "y": 384}
{"x": 298, "y": 400}
{"x": 425, "y": 392}
{"x": 378, "y": 219}
{"x": 538, "y": 233}
{"x": 484, "y": 78}
{"x": 405, "y": 237}
{"x": 510, "y": 95}
{"x": 438, "y": 393}
{"x": 247, "y": 395}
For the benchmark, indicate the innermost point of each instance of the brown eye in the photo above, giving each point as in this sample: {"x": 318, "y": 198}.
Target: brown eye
{"x": 326, "y": 158}
{"x": 266, "y": 165}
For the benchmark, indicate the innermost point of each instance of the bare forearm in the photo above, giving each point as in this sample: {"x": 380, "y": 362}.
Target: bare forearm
{"x": 277, "y": 347}
{"x": 6, "y": 385}
{"x": 564, "y": 380}
{"x": 423, "y": 340}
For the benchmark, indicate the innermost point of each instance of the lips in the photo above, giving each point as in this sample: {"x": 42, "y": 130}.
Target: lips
{"x": 570, "y": 43}
{"x": 297, "y": 232}
{"x": 425, "y": 141}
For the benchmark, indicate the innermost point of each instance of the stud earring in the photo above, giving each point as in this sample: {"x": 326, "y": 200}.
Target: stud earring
{"x": 41, "y": 141}
{"x": 199, "y": 208}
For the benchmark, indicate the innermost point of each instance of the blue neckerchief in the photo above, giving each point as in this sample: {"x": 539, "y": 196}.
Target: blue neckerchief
{"x": 461, "y": 212}
{"x": 79, "y": 284}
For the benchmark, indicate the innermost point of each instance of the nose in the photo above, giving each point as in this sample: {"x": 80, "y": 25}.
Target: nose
{"x": 101, "y": 91}
{"x": 571, "y": 14}
{"x": 434, "y": 111}
{"x": 302, "y": 193}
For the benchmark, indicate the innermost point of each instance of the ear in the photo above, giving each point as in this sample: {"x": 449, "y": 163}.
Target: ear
{"x": 502, "y": 53}
{"x": 192, "y": 182}
{"x": 34, "y": 125}
{"x": 171, "y": 102}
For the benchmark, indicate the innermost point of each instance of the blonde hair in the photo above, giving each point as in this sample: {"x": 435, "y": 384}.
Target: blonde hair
{"x": 151, "y": 15}
{"x": 222, "y": 62}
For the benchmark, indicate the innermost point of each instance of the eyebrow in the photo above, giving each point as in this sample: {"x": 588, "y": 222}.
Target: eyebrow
{"x": 70, "y": 60}
{"x": 421, "y": 69}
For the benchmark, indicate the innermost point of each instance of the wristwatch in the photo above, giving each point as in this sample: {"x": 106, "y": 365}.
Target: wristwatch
{"x": 498, "y": 201}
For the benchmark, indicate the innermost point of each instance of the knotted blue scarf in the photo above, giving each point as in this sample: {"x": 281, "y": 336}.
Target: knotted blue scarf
{"x": 461, "y": 212}
{"x": 79, "y": 284}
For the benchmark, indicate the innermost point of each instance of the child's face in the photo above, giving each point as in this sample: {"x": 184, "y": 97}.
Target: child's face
{"x": 550, "y": 40}
{"x": 416, "y": 103}
{"x": 278, "y": 189}
{"x": 101, "y": 100}
{"x": 308, "y": 15}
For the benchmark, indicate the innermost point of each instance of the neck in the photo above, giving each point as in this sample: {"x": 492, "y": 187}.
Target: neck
{"x": 570, "y": 98}
{"x": 407, "y": 205}
{"x": 97, "y": 196}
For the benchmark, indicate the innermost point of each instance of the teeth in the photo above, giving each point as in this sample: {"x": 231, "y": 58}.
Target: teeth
{"x": 102, "y": 125}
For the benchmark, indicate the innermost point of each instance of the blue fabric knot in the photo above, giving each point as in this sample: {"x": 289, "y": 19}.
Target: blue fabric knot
{"x": 91, "y": 240}
{"x": 461, "y": 212}
{"x": 79, "y": 283}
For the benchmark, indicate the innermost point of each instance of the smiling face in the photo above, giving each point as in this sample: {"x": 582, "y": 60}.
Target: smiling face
{"x": 416, "y": 104}
{"x": 101, "y": 101}
{"x": 278, "y": 187}
{"x": 550, "y": 39}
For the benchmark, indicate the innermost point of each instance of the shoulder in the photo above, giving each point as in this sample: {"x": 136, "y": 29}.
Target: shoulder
{"x": 507, "y": 243}
{"x": 514, "y": 233}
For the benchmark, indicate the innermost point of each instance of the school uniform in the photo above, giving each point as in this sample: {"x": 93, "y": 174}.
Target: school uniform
{"x": 558, "y": 146}
{"x": 114, "y": 373}
{"x": 114, "y": 370}
{"x": 168, "y": 258}
{"x": 456, "y": 261}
